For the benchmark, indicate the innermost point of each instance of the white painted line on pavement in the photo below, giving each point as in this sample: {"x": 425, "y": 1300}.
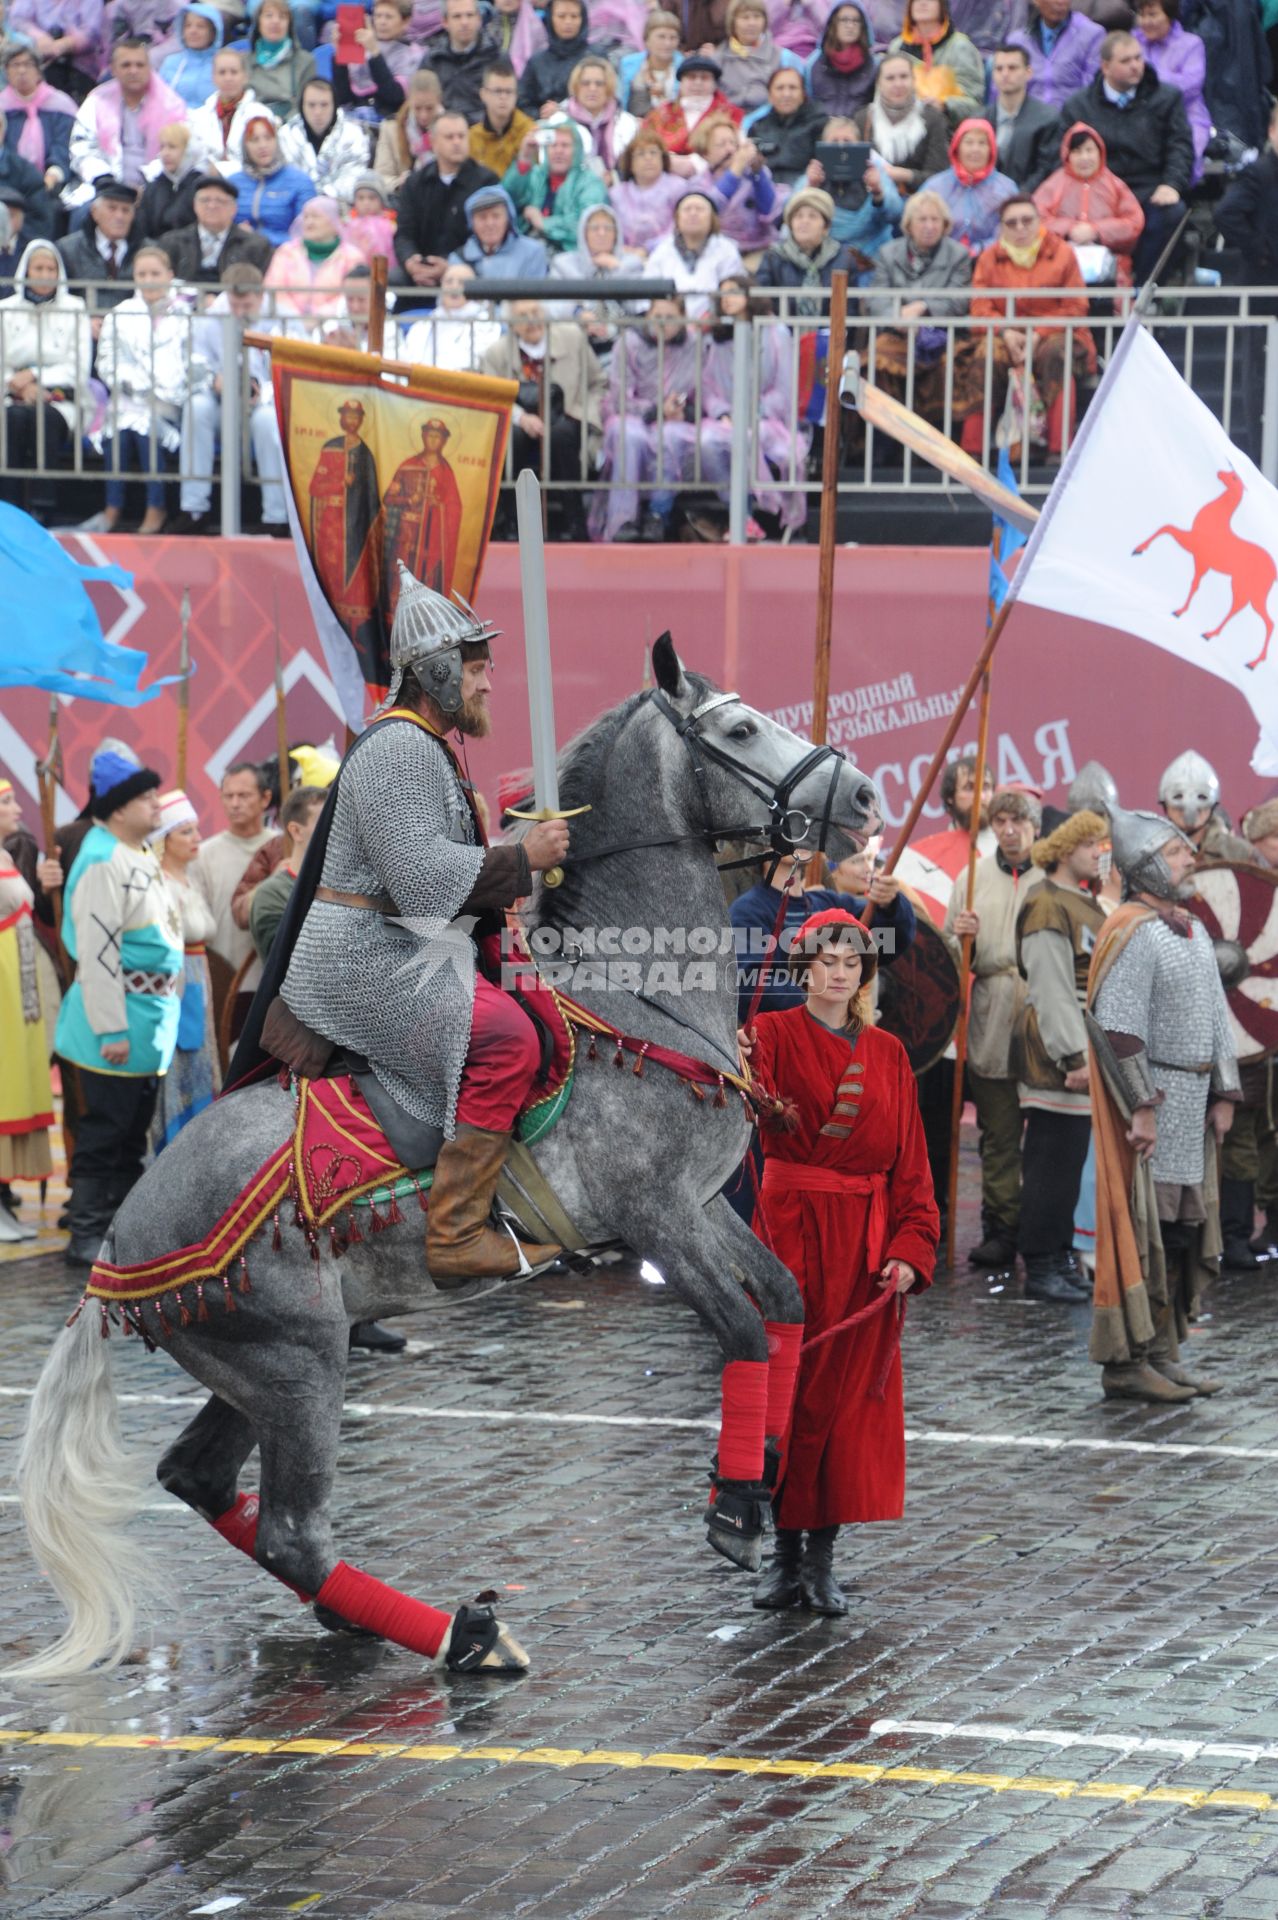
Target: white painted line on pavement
{"x": 921, "y": 1436}
{"x": 993, "y": 1731}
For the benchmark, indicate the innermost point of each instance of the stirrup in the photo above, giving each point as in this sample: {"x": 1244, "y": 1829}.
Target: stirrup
{"x": 737, "y": 1518}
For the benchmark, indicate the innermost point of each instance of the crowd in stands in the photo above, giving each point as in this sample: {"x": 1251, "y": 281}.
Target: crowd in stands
{"x": 163, "y": 166}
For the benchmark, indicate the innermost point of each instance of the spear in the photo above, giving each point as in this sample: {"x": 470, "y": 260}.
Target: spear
{"x": 281, "y": 718}
{"x": 184, "y": 689}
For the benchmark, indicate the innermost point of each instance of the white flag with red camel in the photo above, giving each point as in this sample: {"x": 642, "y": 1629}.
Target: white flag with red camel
{"x": 1159, "y": 526}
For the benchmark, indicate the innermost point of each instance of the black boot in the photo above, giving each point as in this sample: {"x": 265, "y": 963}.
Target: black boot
{"x": 1046, "y": 1278}
{"x": 1237, "y": 1223}
{"x": 821, "y": 1591}
{"x": 1267, "y": 1238}
{"x": 997, "y": 1249}
{"x": 779, "y": 1586}
{"x": 373, "y": 1337}
{"x": 89, "y": 1213}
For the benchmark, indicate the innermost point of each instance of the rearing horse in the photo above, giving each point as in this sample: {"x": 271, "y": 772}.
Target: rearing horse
{"x": 1214, "y": 547}
{"x": 633, "y": 1160}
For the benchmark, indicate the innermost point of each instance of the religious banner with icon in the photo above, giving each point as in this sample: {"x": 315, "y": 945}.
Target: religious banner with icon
{"x": 383, "y": 466}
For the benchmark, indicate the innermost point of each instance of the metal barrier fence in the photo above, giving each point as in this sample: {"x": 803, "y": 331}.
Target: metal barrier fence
{"x": 728, "y": 413}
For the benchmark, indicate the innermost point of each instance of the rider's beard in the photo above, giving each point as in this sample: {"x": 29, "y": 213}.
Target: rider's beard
{"x": 473, "y": 718}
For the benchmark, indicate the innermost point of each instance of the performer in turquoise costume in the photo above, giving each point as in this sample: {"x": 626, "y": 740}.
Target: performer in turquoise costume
{"x": 118, "y": 1024}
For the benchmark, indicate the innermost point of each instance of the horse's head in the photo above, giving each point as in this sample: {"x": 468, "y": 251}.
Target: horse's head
{"x": 737, "y": 768}
{"x": 1231, "y": 481}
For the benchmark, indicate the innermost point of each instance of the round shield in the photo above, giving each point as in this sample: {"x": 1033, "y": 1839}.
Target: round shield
{"x": 919, "y": 995}
{"x": 1238, "y": 905}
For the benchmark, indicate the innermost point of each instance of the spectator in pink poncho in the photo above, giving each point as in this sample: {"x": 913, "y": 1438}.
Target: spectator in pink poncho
{"x": 307, "y": 272}
{"x": 371, "y": 224}
{"x": 44, "y": 115}
{"x": 616, "y": 26}
{"x": 117, "y": 130}
{"x": 1088, "y": 205}
{"x": 646, "y": 191}
{"x": 1179, "y": 59}
{"x": 517, "y": 29}
{"x": 797, "y": 25}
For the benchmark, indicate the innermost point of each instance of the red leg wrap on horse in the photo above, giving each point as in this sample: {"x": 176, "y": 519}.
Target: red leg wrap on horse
{"x": 238, "y": 1525}
{"x": 370, "y": 1603}
{"x": 784, "y": 1343}
{"x": 745, "y": 1407}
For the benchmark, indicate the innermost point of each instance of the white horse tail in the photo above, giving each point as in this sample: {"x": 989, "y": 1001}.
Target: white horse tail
{"x": 79, "y": 1492}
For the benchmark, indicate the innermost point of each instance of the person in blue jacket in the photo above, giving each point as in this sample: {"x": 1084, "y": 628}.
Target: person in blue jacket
{"x": 754, "y": 916}
{"x": 189, "y": 68}
{"x": 495, "y": 247}
{"x": 271, "y": 193}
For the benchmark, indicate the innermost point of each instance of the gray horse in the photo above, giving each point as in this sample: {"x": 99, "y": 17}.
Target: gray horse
{"x": 633, "y": 1160}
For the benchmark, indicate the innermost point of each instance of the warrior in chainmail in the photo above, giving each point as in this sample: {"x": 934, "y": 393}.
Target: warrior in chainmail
{"x": 387, "y": 962}
{"x": 1164, "y": 1080}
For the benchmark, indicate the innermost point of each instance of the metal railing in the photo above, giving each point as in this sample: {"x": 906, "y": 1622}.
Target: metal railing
{"x": 743, "y": 411}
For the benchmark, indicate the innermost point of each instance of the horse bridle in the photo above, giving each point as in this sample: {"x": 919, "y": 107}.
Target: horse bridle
{"x": 786, "y": 826}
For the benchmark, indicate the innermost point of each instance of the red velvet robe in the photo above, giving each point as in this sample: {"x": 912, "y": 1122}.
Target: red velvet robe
{"x": 845, "y": 1459}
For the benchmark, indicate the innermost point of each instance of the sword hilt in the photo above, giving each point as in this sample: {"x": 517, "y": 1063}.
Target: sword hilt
{"x": 552, "y": 876}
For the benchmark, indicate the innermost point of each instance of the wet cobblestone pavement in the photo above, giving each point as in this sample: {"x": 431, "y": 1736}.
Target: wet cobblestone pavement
{"x": 1055, "y": 1693}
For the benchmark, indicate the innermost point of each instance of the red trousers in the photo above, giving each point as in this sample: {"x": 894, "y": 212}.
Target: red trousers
{"x": 501, "y": 1061}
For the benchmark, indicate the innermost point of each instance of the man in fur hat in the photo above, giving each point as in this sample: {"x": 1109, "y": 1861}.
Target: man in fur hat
{"x": 1003, "y": 878}
{"x": 118, "y": 1022}
{"x": 1164, "y": 1082}
{"x": 1056, "y": 933}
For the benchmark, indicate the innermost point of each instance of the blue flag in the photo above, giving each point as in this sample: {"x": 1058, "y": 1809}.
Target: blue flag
{"x": 1005, "y": 539}
{"x": 51, "y": 636}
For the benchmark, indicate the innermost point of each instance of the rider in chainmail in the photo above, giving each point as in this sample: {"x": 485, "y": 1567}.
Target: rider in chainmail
{"x": 385, "y": 964}
{"x": 1160, "y": 1032}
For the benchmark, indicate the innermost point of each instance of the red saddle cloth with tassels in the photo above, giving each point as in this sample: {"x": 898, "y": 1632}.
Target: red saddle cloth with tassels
{"x": 336, "y": 1156}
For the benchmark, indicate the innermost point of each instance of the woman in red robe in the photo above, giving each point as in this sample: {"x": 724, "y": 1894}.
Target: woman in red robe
{"x": 847, "y": 1204}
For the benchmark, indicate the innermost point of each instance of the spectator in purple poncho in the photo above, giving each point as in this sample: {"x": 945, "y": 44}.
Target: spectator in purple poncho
{"x": 797, "y": 25}
{"x": 67, "y": 36}
{"x": 841, "y": 72}
{"x": 1180, "y": 60}
{"x": 971, "y": 186}
{"x": 738, "y": 182}
{"x": 1064, "y": 49}
{"x": 646, "y": 191}
{"x": 517, "y": 29}
{"x": 781, "y": 438}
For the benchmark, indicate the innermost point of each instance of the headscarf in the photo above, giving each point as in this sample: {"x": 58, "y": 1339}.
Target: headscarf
{"x": 971, "y": 177}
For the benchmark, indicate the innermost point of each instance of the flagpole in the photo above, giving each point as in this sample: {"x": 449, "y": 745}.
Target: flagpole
{"x": 184, "y": 691}
{"x": 48, "y": 784}
{"x": 377, "y": 305}
{"x": 281, "y": 716}
{"x": 965, "y": 968}
{"x": 835, "y": 350}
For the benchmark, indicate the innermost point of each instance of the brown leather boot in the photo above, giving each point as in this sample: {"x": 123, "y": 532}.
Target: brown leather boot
{"x": 1164, "y": 1356}
{"x": 1137, "y": 1380}
{"x": 460, "y": 1244}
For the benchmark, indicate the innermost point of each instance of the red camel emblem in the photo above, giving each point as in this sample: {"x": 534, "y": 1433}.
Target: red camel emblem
{"x": 1215, "y": 548}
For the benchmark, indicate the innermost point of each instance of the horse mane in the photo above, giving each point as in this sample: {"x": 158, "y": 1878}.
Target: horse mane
{"x": 583, "y": 775}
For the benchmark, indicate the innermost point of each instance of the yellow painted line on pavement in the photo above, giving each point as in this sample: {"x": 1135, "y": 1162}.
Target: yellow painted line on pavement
{"x": 626, "y": 1759}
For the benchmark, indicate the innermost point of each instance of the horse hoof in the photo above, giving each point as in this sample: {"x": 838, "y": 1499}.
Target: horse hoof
{"x": 737, "y": 1520}
{"x": 478, "y": 1642}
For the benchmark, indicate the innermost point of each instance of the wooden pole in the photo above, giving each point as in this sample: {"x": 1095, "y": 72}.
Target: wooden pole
{"x": 47, "y": 777}
{"x": 965, "y": 969}
{"x": 184, "y": 692}
{"x": 377, "y": 305}
{"x": 829, "y": 523}
{"x": 281, "y": 716}
{"x": 956, "y": 719}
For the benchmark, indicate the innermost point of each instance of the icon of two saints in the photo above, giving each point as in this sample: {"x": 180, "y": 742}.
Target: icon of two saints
{"x": 357, "y": 534}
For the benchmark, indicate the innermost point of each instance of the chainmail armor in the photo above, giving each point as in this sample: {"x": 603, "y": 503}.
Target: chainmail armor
{"x": 1165, "y": 990}
{"x": 401, "y": 826}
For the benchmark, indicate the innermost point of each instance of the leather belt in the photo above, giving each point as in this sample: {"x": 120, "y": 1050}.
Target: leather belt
{"x": 1182, "y": 1066}
{"x": 154, "y": 983}
{"x": 371, "y": 903}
